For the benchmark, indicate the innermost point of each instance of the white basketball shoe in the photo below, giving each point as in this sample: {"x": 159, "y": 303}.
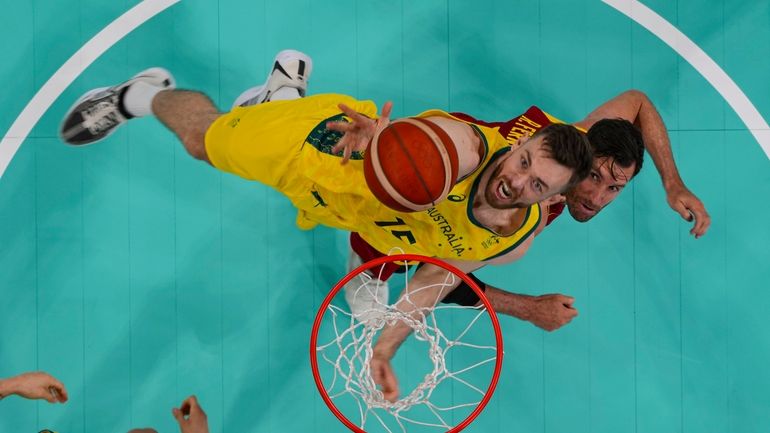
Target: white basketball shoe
{"x": 99, "y": 112}
{"x": 291, "y": 68}
{"x": 367, "y": 296}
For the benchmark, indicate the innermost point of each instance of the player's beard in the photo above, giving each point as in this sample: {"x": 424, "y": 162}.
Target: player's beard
{"x": 575, "y": 206}
{"x": 490, "y": 193}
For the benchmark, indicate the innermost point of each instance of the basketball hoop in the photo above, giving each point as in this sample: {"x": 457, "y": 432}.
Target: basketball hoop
{"x": 347, "y": 350}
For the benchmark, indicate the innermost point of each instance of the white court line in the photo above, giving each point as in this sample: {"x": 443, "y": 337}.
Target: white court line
{"x": 147, "y": 9}
{"x": 71, "y": 69}
{"x": 702, "y": 63}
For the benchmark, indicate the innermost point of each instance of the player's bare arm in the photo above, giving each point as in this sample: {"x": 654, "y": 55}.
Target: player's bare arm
{"x": 637, "y": 108}
{"x": 393, "y": 336}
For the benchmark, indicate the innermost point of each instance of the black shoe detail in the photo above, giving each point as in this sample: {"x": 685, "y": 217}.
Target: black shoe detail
{"x": 121, "y": 106}
{"x": 277, "y": 66}
{"x": 301, "y": 71}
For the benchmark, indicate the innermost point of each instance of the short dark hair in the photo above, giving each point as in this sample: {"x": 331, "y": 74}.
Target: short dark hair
{"x": 618, "y": 139}
{"x": 570, "y": 148}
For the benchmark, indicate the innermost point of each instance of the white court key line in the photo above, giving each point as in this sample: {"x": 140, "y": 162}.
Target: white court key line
{"x": 71, "y": 69}
{"x": 702, "y": 63}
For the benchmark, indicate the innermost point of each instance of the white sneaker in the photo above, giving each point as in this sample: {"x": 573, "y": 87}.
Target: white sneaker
{"x": 99, "y": 112}
{"x": 367, "y": 297}
{"x": 291, "y": 68}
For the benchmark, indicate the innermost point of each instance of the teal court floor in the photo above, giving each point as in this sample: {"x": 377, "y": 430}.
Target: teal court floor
{"x": 140, "y": 276}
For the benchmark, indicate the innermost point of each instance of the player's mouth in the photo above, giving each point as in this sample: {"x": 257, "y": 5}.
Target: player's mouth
{"x": 503, "y": 191}
{"x": 587, "y": 208}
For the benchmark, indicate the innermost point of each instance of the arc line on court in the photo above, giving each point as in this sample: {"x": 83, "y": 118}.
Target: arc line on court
{"x": 70, "y": 70}
{"x": 705, "y": 65}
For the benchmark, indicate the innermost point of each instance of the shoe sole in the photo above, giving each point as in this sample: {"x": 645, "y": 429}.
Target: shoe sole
{"x": 159, "y": 76}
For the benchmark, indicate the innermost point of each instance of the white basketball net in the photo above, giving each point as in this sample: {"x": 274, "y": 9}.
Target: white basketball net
{"x": 350, "y": 349}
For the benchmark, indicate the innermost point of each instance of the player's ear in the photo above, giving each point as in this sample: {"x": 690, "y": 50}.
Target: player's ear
{"x": 554, "y": 199}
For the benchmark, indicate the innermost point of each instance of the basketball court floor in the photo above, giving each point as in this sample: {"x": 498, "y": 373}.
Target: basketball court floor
{"x": 139, "y": 276}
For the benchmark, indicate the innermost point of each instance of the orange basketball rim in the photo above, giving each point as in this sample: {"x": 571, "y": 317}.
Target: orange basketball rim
{"x": 494, "y": 362}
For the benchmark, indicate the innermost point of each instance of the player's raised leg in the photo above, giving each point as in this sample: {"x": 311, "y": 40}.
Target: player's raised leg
{"x": 99, "y": 112}
{"x": 287, "y": 80}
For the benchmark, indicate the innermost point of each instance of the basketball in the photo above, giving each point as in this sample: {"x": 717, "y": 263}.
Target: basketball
{"x": 411, "y": 165}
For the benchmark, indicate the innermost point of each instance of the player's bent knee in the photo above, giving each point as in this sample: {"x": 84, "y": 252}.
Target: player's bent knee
{"x": 195, "y": 144}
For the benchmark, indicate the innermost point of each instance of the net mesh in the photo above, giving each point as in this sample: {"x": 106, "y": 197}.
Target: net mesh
{"x": 348, "y": 348}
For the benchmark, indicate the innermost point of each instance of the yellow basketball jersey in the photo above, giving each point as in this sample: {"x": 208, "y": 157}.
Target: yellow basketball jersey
{"x": 262, "y": 143}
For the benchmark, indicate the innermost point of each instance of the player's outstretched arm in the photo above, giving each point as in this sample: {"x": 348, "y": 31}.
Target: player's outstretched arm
{"x": 393, "y": 336}
{"x": 549, "y": 312}
{"x": 35, "y": 386}
{"x": 637, "y": 108}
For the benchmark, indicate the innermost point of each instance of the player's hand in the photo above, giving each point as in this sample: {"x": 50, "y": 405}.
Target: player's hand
{"x": 38, "y": 386}
{"x": 358, "y": 133}
{"x": 688, "y": 206}
{"x": 383, "y": 375}
{"x": 191, "y": 417}
{"x": 551, "y": 312}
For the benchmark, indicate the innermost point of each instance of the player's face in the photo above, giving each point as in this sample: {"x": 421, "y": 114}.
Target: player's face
{"x": 526, "y": 176}
{"x": 598, "y": 190}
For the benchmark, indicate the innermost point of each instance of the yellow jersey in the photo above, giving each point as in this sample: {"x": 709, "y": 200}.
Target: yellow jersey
{"x": 286, "y": 145}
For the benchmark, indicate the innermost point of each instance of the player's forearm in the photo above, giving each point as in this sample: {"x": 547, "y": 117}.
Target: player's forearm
{"x": 425, "y": 289}
{"x": 656, "y": 141}
{"x": 508, "y": 303}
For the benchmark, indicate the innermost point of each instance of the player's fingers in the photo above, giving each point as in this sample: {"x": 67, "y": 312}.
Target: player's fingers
{"x": 346, "y": 154}
{"x": 186, "y": 405}
{"x": 566, "y": 300}
{"x": 61, "y": 390}
{"x": 353, "y": 114}
{"x": 386, "y": 110}
{"x": 702, "y": 222}
{"x": 340, "y": 126}
{"x": 682, "y": 210}
{"x": 178, "y": 415}
{"x": 389, "y": 386}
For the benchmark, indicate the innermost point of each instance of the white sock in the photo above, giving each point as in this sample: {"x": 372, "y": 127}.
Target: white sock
{"x": 138, "y": 98}
{"x": 285, "y": 93}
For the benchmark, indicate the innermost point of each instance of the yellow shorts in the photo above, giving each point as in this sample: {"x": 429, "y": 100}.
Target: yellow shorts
{"x": 285, "y": 145}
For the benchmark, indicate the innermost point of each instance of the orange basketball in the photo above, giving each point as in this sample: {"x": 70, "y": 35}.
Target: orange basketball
{"x": 411, "y": 165}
